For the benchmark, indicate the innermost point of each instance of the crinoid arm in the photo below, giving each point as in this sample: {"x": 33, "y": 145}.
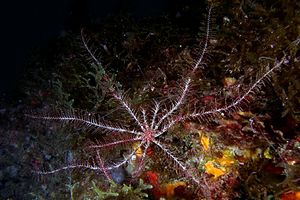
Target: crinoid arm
{"x": 182, "y": 166}
{"x": 81, "y": 119}
{"x": 97, "y": 164}
{"x": 91, "y": 53}
{"x": 238, "y": 102}
{"x": 179, "y": 102}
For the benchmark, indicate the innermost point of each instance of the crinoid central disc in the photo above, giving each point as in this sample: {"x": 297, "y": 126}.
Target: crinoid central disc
{"x": 149, "y": 135}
